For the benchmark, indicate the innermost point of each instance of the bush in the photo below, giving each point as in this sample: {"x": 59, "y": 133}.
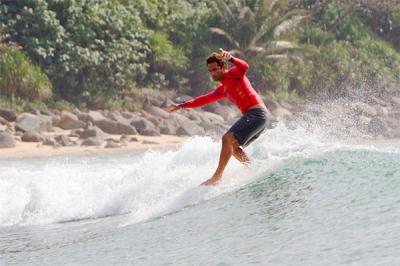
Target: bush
{"x": 20, "y": 78}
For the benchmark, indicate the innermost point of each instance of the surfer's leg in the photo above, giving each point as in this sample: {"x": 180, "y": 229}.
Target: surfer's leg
{"x": 240, "y": 155}
{"x": 228, "y": 142}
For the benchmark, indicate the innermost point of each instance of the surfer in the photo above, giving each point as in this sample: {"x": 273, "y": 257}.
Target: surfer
{"x": 236, "y": 87}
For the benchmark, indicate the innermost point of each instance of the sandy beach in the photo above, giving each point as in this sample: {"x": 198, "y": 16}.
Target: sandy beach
{"x": 29, "y": 149}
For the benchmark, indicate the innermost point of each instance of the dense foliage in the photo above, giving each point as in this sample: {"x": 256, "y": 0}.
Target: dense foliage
{"x": 98, "y": 53}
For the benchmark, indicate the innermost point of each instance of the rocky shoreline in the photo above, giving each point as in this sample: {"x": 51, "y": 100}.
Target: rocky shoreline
{"x": 377, "y": 118}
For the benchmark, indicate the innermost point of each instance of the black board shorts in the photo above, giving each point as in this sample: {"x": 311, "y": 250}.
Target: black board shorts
{"x": 250, "y": 126}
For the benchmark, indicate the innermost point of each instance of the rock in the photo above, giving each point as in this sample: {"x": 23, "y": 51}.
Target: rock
{"x": 214, "y": 128}
{"x": 195, "y": 116}
{"x": 10, "y": 130}
{"x": 212, "y": 107}
{"x": 150, "y": 132}
{"x": 144, "y": 125}
{"x": 63, "y": 140}
{"x": 166, "y": 103}
{"x": 112, "y": 144}
{"x": 117, "y": 116}
{"x": 112, "y": 127}
{"x": 157, "y": 111}
{"x": 92, "y": 141}
{"x": 3, "y": 121}
{"x": 95, "y": 116}
{"x": 49, "y": 142}
{"x": 128, "y": 115}
{"x": 377, "y": 127}
{"x": 168, "y": 127}
{"x": 32, "y": 136}
{"x": 69, "y": 120}
{"x": 183, "y": 98}
{"x": 46, "y": 112}
{"x": 156, "y": 120}
{"x": 212, "y": 118}
{"x": 149, "y": 142}
{"x": 29, "y": 122}
{"x": 8, "y": 114}
{"x": 128, "y": 138}
{"x": 91, "y": 131}
{"x": 6, "y": 140}
{"x": 228, "y": 113}
{"x": 189, "y": 128}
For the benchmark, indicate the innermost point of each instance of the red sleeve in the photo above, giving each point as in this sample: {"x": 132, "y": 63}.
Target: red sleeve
{"x": 240, "y": 68}
{"x": 215, "y": 95}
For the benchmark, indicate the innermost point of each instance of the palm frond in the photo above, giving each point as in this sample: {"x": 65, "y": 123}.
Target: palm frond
{"x": 225, "y": 36}
{"x": 222, "y": 9}
{"x": 267, "y": 29}
{"x": 288, "y": 25}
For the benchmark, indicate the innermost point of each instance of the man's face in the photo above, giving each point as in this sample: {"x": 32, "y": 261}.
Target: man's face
{"x": 217, "y": 72}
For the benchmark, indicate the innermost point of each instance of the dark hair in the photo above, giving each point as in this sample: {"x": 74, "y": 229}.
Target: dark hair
{"x": 214, "y": 57}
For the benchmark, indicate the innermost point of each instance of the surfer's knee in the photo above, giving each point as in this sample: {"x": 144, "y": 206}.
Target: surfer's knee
{"x": 229, "y": 138}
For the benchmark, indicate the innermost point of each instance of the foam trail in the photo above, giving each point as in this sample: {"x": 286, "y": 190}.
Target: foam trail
{"x": 143, "y": 186}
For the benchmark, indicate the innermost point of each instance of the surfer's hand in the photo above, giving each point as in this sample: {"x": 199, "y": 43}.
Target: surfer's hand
{"x": 225, "y": 55}
{"x": 173, "y": 107}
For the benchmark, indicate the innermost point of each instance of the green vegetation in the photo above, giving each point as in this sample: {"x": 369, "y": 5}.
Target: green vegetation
{"x": 99, "y": 54}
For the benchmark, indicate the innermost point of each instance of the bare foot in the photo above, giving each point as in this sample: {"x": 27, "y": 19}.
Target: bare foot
{"x": 210, "y": 182}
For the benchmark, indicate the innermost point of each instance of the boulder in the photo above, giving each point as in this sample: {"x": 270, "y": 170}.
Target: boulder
{"x": 8, "y": 114}
{"x": 3, "y": 121}
{"x": 128, "y": 138}
{"x": 91, "y": 131}
{"x": 63, "y": 140}
{"x": 50, "y": 142}
{"x": 168, "y": 127}
{"x": 166, "y": 103}
{"x": 32, "y": 136}
{"x": 143, "y": 125}
{"x": 189, "y": 128}
{"x": 117, "y": 116}
{"x": 95, "y": 116}
{"x": 6, "y": 140}
{"x": 69, "y": 120}
{"x": 156, "y": 120}
{"x": 149, "y": 142}
{"x": 212, "y": 118}
{"x": 30, "y": 122}
{"x": 112, "y": 144}
{"x": 150, "y": 132}
{"x": 92, "y": 141}
{"x": 113, "y": 127}
{"x": 157, "y": 111}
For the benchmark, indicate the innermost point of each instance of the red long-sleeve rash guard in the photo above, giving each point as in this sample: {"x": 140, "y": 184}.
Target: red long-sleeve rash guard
{"x": 235, "y": 87}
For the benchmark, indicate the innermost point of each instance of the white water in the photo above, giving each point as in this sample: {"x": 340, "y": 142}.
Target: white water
{"x": 50, "y": 190}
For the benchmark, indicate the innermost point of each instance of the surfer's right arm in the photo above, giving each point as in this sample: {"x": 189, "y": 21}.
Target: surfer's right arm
{"x": 216, "y": 95}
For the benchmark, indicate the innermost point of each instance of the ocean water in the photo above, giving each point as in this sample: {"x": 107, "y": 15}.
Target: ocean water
{"x": 306, "y": 200}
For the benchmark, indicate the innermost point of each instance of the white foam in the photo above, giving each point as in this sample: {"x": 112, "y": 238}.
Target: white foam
{"x": 147, "y": 186}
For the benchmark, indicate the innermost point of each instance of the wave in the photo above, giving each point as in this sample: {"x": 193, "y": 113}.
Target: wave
{"x": 141, "y": 185}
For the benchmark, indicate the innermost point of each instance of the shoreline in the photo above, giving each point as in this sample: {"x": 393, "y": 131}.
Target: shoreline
{"x": 35, "y": 149}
